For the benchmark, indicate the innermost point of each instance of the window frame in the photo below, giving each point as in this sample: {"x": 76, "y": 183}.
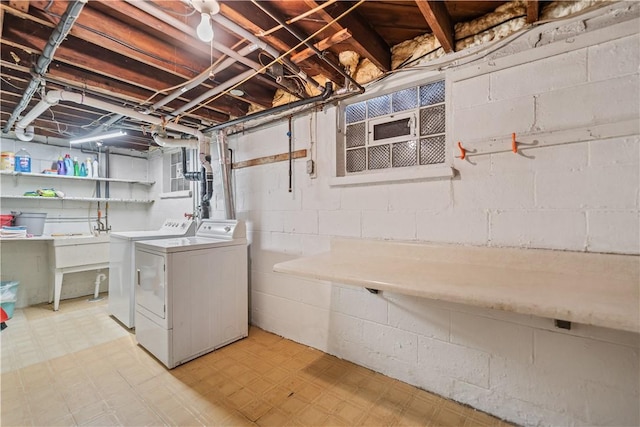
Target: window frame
{"x": 340, "y": 177}
{"x": 166, "y": 173}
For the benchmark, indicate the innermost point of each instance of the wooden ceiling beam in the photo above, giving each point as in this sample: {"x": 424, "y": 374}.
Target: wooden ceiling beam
{"x": 100, "y": 84}
{"x": 184, "y": 66}
{"x": 322, "y": 45}
{"x": 364, "y": 41}
{"x": 102, "y": 30}
{"x": 439, "y": 20}
{"x": 533, "y": 11}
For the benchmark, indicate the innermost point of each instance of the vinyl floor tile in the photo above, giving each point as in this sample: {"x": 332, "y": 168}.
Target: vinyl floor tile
{"x": 78, "y": 366}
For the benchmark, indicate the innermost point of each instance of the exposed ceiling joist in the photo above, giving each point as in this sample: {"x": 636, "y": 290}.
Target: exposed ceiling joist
{"x": 364, "y": 40}
{"x": 243, "y": 14}
{"x": 533, "y": 11}
{"x": 438, "y": 18}
{"x": 322, "y": 45}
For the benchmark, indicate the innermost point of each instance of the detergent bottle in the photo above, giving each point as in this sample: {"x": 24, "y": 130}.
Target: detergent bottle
{"x": 68, "y": 165}
{"x": 89, "y": 167}
{"x": 96, "y": 174}
{"x": 83, "y": 169}
{"x": 76, "y": 167}
{"x": 62, "y": 170}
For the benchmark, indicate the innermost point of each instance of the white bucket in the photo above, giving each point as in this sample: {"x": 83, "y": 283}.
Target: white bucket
{"x": 33, "y": 221}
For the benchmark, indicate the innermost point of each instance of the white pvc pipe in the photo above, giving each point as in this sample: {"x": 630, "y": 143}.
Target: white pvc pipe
{"x": 55, "y": 96}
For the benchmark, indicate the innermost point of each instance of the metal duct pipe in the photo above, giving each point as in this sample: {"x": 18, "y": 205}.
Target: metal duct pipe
{"x": 328, "y": 90}
{"x": 40, "y": 68}
{"x": 225, "y": 172}
{"x": 205, "y": 177}
{"x": 310, "y": 45}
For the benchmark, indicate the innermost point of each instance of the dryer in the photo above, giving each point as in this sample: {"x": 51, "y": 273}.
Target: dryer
{"x": 192, "y": 292}
{"x": 122, "y": 304}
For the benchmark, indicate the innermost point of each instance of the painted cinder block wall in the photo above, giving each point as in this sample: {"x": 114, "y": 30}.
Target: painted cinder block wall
{"x": 569, "y": 87}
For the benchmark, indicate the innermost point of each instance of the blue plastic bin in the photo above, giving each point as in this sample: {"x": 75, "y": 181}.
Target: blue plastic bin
{"x": 8, "y": 296}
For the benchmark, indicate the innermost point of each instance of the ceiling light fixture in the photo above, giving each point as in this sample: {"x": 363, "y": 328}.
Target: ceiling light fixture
{"x": 206, "y": 8}
{"x": 236, "y": 92}
{"x": 97, "y": 137}
{"x": 204, "y": 29}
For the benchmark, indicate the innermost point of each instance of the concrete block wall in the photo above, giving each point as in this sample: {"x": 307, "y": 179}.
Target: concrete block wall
{"x": 574, "y": 99}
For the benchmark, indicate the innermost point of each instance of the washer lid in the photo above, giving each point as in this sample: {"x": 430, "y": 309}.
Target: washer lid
{"x": 186, "y": 244}
{"x": 171, "y": 227}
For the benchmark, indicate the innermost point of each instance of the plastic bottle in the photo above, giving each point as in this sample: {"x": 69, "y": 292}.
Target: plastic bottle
{"x": 83, "y": 169}
{"x": 96, "y": 173}
{"x": 62, "y": 170}
{"x": 68, "y": 165}
{"x": 89, "y": 167}
{"x": 22, "y": 161}
{"x": 76, "y": 167}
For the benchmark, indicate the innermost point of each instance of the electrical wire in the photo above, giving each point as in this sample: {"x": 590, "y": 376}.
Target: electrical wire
{"x": 11, "y": 84}
{"x": 279, "y": 58}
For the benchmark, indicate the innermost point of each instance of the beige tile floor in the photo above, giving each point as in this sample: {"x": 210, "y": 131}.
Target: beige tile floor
{"x": 80, "y": 367}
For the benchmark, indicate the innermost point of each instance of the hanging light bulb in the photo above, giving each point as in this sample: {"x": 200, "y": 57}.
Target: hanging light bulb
{"x": 204, "y": 29}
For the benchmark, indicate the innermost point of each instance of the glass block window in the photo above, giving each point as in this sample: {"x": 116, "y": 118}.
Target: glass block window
{"x": 174, "y": 179}
{"x": 400, "y": 129}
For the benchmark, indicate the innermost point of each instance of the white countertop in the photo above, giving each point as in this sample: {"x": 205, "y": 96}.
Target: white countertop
{"x": 588, "y": 288}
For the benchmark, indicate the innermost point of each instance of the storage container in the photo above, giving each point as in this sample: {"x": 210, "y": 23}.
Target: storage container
{"x": 6, "y": 220}
{"x": 33, "y": 221}
{"x": 7, "y": 161}
{"x": 9, "y": 296}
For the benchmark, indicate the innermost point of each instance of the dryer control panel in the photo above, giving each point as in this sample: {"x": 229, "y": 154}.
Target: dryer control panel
{"x": 176, "y": 225}
{"x": 225, "y": 229}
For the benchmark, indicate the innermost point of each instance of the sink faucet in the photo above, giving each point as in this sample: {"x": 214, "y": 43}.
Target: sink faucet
{"x": 101, "y": 228}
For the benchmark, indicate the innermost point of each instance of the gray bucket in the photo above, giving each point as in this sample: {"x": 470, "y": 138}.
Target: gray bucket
{"x": 33, "y": 221}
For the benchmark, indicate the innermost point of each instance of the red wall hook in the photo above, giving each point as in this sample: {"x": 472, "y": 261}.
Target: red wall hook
{"x": 514, "y": 144}
{"x": 463, "y": 152}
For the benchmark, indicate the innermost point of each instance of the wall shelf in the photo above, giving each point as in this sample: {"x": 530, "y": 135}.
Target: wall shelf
{"x": 77, "y": 199}
{"x": 81, "y": 178}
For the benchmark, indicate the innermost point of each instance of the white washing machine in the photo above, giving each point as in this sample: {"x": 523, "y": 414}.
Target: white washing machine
{"x": 122, "y": 250}
{"x": 192, "y": 292}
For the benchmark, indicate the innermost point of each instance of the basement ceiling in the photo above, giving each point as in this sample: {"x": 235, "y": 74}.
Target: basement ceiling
{"x": 135, "y": 53}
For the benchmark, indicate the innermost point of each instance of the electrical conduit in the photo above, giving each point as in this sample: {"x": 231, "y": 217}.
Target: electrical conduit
{"x": 40, "y": 68}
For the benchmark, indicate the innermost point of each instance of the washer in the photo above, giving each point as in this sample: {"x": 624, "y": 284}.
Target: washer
{"x": 122, "y": 303}
{"x": 192, "y": 292}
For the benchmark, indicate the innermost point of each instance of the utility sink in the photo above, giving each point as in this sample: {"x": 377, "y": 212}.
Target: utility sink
{"x": 80, "y": 250}
{"x": 73, "y": 253}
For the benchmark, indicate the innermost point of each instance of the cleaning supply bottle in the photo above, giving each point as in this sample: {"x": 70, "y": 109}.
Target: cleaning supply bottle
{"x": 96, "y": 174}
{"x": 22, "y": 161}
{"x": 76, "y": 167}
{"x": 68, "y": 165}
{"x": 83, "y": 169}
{"x": 89, "y": 167}
{"x": 62, "y": 170}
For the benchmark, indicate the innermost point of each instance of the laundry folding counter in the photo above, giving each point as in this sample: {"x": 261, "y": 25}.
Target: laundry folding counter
{"x": 588, "y": 288}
